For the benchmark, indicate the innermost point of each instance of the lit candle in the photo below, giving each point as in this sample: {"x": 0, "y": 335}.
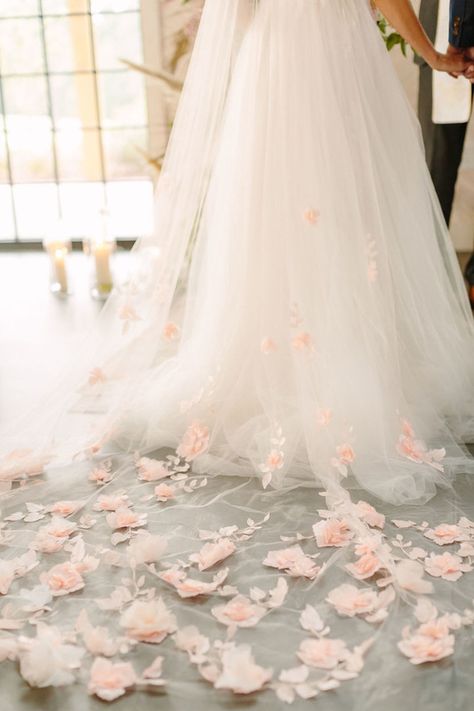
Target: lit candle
{"x": 57, "y": 246}
{"x": 102, "y": 251}
{"x": 100, "y": 246}
{"x": 59, "y": 268}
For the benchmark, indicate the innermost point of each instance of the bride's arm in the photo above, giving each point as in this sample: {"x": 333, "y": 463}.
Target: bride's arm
{"x": 401, "y": 15}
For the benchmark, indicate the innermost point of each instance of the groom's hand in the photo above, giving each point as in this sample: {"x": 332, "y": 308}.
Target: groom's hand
{"x": 466, "y": 53}
{"x": 470, "y": 72}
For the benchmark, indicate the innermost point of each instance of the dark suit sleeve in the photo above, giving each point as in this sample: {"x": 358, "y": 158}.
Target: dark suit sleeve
{"x": 461, "y": 29}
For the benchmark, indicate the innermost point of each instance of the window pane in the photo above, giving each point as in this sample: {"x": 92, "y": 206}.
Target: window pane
{"x": 15, "y": 8}
{"x": 26, "y": 97}
{"x": 21, "y": 47}
{"x": 125, "y": 153}
{"x": 114, "y": 5}
{"x": 31, "y": 153}
{"x": 117, "y": 37}
{"x": 122, "y": 99}
{"x": 80, "y": 205}
{"x": 63, "y": 7}
{"x": 36, "y": 209}
{"x": 79, "y": 156}
{"x": 74, "y": 101}
{"x": 126, "y": 222}
{"x": 7, "y": 227}
{"x": 68, "y": 43}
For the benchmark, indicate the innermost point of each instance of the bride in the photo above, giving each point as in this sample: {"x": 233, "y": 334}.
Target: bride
{"x": 297, "y": 320}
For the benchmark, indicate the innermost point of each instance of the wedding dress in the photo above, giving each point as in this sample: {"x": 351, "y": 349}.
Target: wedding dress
{"x": 298, "y": 323}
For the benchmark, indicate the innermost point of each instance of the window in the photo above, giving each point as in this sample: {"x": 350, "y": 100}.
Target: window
{"x": 74, "y": 120}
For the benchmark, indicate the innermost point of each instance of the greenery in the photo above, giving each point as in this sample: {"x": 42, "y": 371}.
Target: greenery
{"x": 391, "y": 38}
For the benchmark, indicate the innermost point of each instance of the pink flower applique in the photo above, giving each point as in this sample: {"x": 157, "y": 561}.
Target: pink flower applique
{"x": 124, "y": 517}
{"x": 194, "y": 443}
{"x": 296, "y": 319}
{"x": 240, "y": 673}
{"x": 345, "y": 456}
{"x": 65, "y": 508}
{"x": 303, "y": 342}
{"x": 63, "y": 579}
{"x": 349, "y": 600}
{"x": 294, "y": 562}
{"x": 152, "y": 469}
{"x": 324, "y": 417}
{"x": 409, "y": 574}
{"x": 420, "y": 648}
{"x": 322, "y": 653}
{"x": 59, "y": 527}
{"x": 332, "y": 532}
{"x": 446, "y": 533}
{"x": 148, "y": 621}
{"x": 46, "y": 660}
{"x": 128, "y": 315}
{"x": 416, "y": 451}
{"x": 22, "y": 464}
{"x": 268, "y": 346}
{"x": 170, "y": 331}
{"x": 108, "y": 681}
{"x": 369, "y": 515}
{"x": 111, "y": 502}
{"x": 190, "y": 640}
{"x": 213, "y": 553}
{"x": 448, "y": 566}
{"x": 188, "y": 587}
{"x": 275, "y": 459}
{"x": 96, "y": 639}
{"x": 239, "y": 612}
{"x": 146, "y": 548}
{"x": 311, "y": 216}
{"x": 164, "y": 492}
{"x": 97, "y": 376}
{"x": 16, "y": 568}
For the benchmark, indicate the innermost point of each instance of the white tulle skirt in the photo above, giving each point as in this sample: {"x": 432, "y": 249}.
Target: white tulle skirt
{"x": 325, "y": 329}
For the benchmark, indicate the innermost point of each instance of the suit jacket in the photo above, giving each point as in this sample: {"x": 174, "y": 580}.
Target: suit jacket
{"x": 461, "y": 31}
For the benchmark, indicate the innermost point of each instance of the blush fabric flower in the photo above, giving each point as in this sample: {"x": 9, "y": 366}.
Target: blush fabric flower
{"x": 302, "y": 342}
{"x": 421, "y": 648}
{"x": 111, "y": 502}
{"x": 46, "y": 660}
{"x": 108, "y": 681}
{"x": 322, "y": 653}
{"x": 149, "y": 621}
{"x": 268, "y": 346}
{"x": 194, "y": 443}
{"x": 101, "y": 475}
{"x": 170, "y": 331}
{"x": 446, "y": 533}
{"x": 239, "y": 612}
{"x": 311, "y": 216}
{"x": 240, "y": 673}
{"x": 128, "y": 315}
{"x": 332, "y": 532}
{"x": 97, "y": 376}
{"x": 146, "y": 548}
{"x": 349, "y": 600}
{"x": 59, "y": 527}
{"x": 63, "y": 579}
{"x": 164, "y": 492}
{"x": 293, "y": 561}
{"x": 189, "y": 587}
{"x": 409, "y": 575}
{"x": 65, "y": 508}
{"x": 152, "y": 469}
{"x": 324, "y": 417}
{"x": 370, "y": 515}
{"x": 212, "y": 553}
{"x": 448, "y": 566}
{"x": 275, "y": 460}
{"x": 365, "y": 567}
{"x": 124, "y": 517}
{"x": 190, "y": 640}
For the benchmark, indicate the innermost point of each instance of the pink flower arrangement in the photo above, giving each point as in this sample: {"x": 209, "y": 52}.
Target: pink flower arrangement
{"x": 332, "y": 532}
{"x": 148, "y": 621}
{"x": 108, "y": 681}
{"x": 322, "y": 653}
{"x": 194, "y": 443}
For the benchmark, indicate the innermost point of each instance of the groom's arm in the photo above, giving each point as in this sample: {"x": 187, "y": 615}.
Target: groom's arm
{"x": 461, "y": 29}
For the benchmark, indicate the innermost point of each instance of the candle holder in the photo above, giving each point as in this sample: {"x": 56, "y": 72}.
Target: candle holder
{"x": 100, "y": 247}
{"x": 58, "y": 247}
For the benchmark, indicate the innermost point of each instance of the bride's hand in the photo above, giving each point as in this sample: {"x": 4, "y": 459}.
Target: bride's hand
{"x": 454, "y": 62}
